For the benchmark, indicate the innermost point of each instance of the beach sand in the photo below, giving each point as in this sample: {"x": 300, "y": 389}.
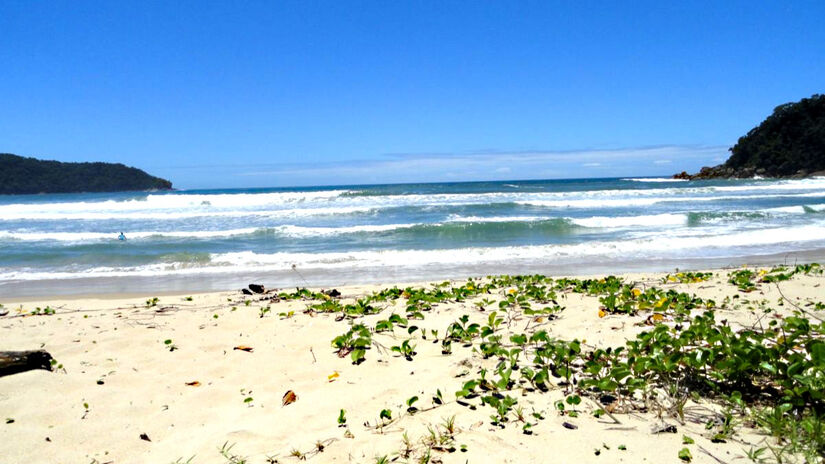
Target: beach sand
{"x": 120, "y": 381}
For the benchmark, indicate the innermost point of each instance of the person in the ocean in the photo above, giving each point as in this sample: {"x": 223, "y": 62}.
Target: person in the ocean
{"x": 121, "y": 236}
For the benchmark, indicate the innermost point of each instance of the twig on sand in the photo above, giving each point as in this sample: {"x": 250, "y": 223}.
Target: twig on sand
{"x": 605, "y": 411}
{"x": 702, "y": 449}
{"x": 314, "y": 360}
{"x": 796, "y": 305}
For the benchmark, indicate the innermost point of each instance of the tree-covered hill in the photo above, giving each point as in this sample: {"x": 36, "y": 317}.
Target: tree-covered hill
{"x": 20, "y": 175}
{"x": 790, "y": 142}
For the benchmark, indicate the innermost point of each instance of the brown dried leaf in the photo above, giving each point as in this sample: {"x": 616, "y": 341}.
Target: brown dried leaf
{"x": 289, "y": 398}
{"x": 248, "y": 349}
{"x": 194, "y": 383}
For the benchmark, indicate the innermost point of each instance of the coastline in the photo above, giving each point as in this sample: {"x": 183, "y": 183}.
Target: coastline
{"x": 119, "y": 287}
{"x": 121, "y": 380}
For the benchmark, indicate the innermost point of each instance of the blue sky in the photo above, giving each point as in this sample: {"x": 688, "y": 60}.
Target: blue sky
{"x": 251, "y": 94}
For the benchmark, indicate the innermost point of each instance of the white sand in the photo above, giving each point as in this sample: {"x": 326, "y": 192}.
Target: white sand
{"x": 120, "y": 342}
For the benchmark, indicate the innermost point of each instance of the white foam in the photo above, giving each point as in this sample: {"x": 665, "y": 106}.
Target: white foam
{"x": 286, "y": 230}
{"x": 305, "y": 204}
{"x": 632, "y": 202}
{"x": 638, "y": 248}
{"x": 113, "y": 236}
{"x": 186, "y": 214}
{"x": 458, "y": 218}
{"x": 797, "y": 209}
{"x": 654, "y": 220}
{"x": 654, "y": 179}
{"x": 300, "y": 231}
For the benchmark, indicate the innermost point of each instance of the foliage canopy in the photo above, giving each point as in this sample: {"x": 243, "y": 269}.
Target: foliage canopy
{"x": 20, "y": 175}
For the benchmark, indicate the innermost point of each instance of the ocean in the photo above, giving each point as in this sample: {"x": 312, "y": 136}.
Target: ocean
{"x": 193, "y": 240}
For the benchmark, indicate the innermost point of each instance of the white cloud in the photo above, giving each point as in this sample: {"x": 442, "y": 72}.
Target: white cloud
{"x": 480, "y": 165}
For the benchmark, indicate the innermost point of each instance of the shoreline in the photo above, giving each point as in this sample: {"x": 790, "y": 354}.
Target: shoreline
{"x": 197, "y": 376}
{"x": 171, "y": 284}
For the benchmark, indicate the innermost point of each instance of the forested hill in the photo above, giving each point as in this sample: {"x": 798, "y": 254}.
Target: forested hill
{"x": 789, "y": 143}
{"x": 20, "y": 175}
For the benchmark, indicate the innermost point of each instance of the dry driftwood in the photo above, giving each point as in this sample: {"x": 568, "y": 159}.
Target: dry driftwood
{"x": 13, "y": 362}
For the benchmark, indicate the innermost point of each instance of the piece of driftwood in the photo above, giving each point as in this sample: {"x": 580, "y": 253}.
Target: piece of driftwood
{"x": 13, "y": 362}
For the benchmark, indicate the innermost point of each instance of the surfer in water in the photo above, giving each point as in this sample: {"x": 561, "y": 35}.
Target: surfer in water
{"x": 121, "y": 237}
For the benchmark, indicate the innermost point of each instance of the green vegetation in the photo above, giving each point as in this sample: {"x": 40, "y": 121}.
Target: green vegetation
{"x": 747, "y": 279}
{"x": 791, "y": 139}
{"x": 687, "y": 277}
{"x": 19, "y": 175}
{"x": 354, "y": 342}
{"x": 771, "y": 375}
{"x": 790, "y": 142}
{"x": 231, "y": 458}
{"x": 47, "y": 311}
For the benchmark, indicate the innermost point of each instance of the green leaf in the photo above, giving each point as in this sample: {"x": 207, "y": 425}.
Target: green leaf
{"x": 357, "y": 355}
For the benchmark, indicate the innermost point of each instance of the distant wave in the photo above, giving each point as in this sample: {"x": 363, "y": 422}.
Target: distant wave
{"x": 654, "y": 220}
{"x": 654, "y": 179}
{"x": 341, "y": 202}
{"x": 804, "y": 209}
{"x": 9, "y": 214}
{"x": 113, "y": 236}
{"x": 625, "y": 249}
{"x": 456, "y": 228}
{"x": 633, "y": 202}
{"x": 457, "y": 218}
{"x": 454, "y": 224}
{"x": 184, "y": 214}
{"x": 300, "y": 231}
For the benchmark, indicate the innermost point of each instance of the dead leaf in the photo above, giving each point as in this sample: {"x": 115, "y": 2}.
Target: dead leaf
{"x": 333, "y": 376}
{"x": 248, "y": 349}
{"x": 289, "y": 398}
{"x": 602, "y": 313}
{"x": 194, "y": 383}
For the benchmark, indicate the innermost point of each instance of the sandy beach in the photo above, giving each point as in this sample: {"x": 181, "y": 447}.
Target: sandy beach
{"x": 205, "y": 378}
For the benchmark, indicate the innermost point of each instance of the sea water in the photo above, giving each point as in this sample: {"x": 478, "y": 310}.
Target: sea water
{"x": 220, "y": 239}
